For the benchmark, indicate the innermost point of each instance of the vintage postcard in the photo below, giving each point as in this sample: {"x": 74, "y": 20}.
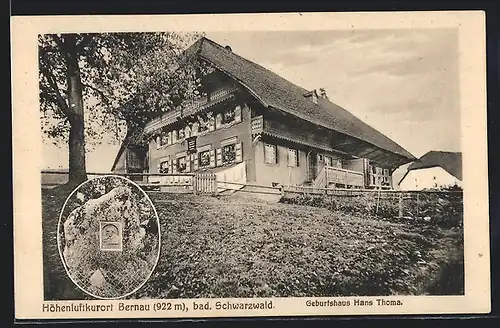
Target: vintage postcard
{"x": 185, "y": 166}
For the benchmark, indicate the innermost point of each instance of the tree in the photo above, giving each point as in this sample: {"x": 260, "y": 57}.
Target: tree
{"x": 92, "y": 84}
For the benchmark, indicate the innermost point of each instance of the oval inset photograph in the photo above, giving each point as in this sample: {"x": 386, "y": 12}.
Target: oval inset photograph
{"x": 109, "y": 237}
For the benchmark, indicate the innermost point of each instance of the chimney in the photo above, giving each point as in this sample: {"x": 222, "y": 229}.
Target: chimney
{"x": 322, "y": 93}
{"x": 312, "y": 95}
{"x": 228, "y": 48}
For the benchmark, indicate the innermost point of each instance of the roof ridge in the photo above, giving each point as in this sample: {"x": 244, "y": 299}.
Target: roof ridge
{"x": 287, "y": 93}
{"x": 443, "y": 151}
{"x": 253, "y": 63}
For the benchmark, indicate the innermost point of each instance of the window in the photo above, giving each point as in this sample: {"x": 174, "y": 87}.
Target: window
{"x": 204, "y": 123}
{"x": 164, "y": 139}
{"x": 228, "y": 153}
{"x": 211, "y": 124}
{"x": 228, "y": 116}
{"x": 328, "y": 161}
{"x": 270, "y": 154}
{"x": 164, "y": 166}
{"x": 204, "y": 158}
{"x": 181, "y": 134}
{"x": 174, "y": 136}
{"x": 320, "y": 157}
{"x": 386, "y": 172}
{"x": 181, "y": 164}
{"x": 338, "y": 163}
{"x": 293, "y": 157}
{"x": 379, "y": 170}
{"x": 218, "y": 121}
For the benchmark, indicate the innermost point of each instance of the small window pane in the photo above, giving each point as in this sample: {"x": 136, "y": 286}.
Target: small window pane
{"x": 181, "y": 164}
{"x": 228, "y": 153}
{"x": 293, "y": 158}
{"x": 270, "y": 154}
{"x": 204, "y": 158}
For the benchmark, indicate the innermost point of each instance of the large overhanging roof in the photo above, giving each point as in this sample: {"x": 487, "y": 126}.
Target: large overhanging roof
{"x": 276, "y": 92}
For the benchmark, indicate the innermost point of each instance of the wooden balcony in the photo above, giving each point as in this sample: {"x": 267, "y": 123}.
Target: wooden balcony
{"x": 194, "y": 107}
{"x": 335, "y": 176}
{"x": 379, "y": 181}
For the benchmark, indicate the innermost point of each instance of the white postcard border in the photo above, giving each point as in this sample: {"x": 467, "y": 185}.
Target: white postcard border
{"x": 29, "y": 302}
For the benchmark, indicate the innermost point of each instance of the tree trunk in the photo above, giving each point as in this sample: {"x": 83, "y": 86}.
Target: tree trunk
{"x": 76, "y": 145}
{"x": 76, "y": 142}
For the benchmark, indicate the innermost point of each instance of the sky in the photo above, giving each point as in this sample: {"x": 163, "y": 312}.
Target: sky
{"x": 403, "y": 83}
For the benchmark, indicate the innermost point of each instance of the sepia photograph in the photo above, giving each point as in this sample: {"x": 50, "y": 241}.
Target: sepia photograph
{"x": 265, "y": 187}
{"x": 323, "y": 165}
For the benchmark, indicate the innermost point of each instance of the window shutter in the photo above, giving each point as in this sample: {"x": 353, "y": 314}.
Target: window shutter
{"x": 275, "y": 150}
{"x": 195, "y": 162}
{"x": 174, "y": 136}
{"x": 188, "y": 163}
{"x": 212, "y": 158}
{"x": 237, "y": 114}
{"x": 174, "y": 166}
{"x": 239, "y": 152}
{"x": 211, "y": 124}
{"x": 158, "y": 167}
{"x": 169, "y": 138}
{"x": 158, "y": 142}
{"x": 219, "y": 156}
{"x": 218, "y": 121}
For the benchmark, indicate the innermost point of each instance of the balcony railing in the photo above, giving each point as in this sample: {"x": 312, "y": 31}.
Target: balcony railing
{"x": 195, "y": 107}
{"x": 337, "y": 176}
{"x": 379, "y": 181}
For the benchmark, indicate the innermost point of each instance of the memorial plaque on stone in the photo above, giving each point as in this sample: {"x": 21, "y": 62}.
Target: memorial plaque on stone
{"x": 111, "y": 236}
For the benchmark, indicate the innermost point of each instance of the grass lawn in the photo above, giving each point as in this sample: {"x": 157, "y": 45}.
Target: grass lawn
{"x": 239, "y": 247}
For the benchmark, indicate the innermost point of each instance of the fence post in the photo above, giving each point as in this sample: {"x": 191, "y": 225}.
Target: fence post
{"x": 195, "y": 180}
{"x": 214, "y": 184}
{"x": 378, "y": 200}
{"x": 400, "y": 205}
{"x": 417, "y": 206}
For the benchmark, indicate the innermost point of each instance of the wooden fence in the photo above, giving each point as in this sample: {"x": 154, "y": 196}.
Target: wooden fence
{"x": 445, "y": 205}
{"x": 414, "y": 203}
{"x": 205, "y": 183}
{"x": 196, "y": 183}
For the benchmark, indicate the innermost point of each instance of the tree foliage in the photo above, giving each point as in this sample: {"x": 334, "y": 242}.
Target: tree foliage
{"x": 126, "y": 79}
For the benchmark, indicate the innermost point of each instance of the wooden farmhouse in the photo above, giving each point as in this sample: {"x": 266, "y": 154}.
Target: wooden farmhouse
{"x": 256, "y": 127}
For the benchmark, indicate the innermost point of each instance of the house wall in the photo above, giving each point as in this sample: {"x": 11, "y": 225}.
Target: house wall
{"x": 434, "y": 177}
{"x": 240, "y": 130}
{"x": 357, "y": 165}
{"x": 280, "y": 173}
